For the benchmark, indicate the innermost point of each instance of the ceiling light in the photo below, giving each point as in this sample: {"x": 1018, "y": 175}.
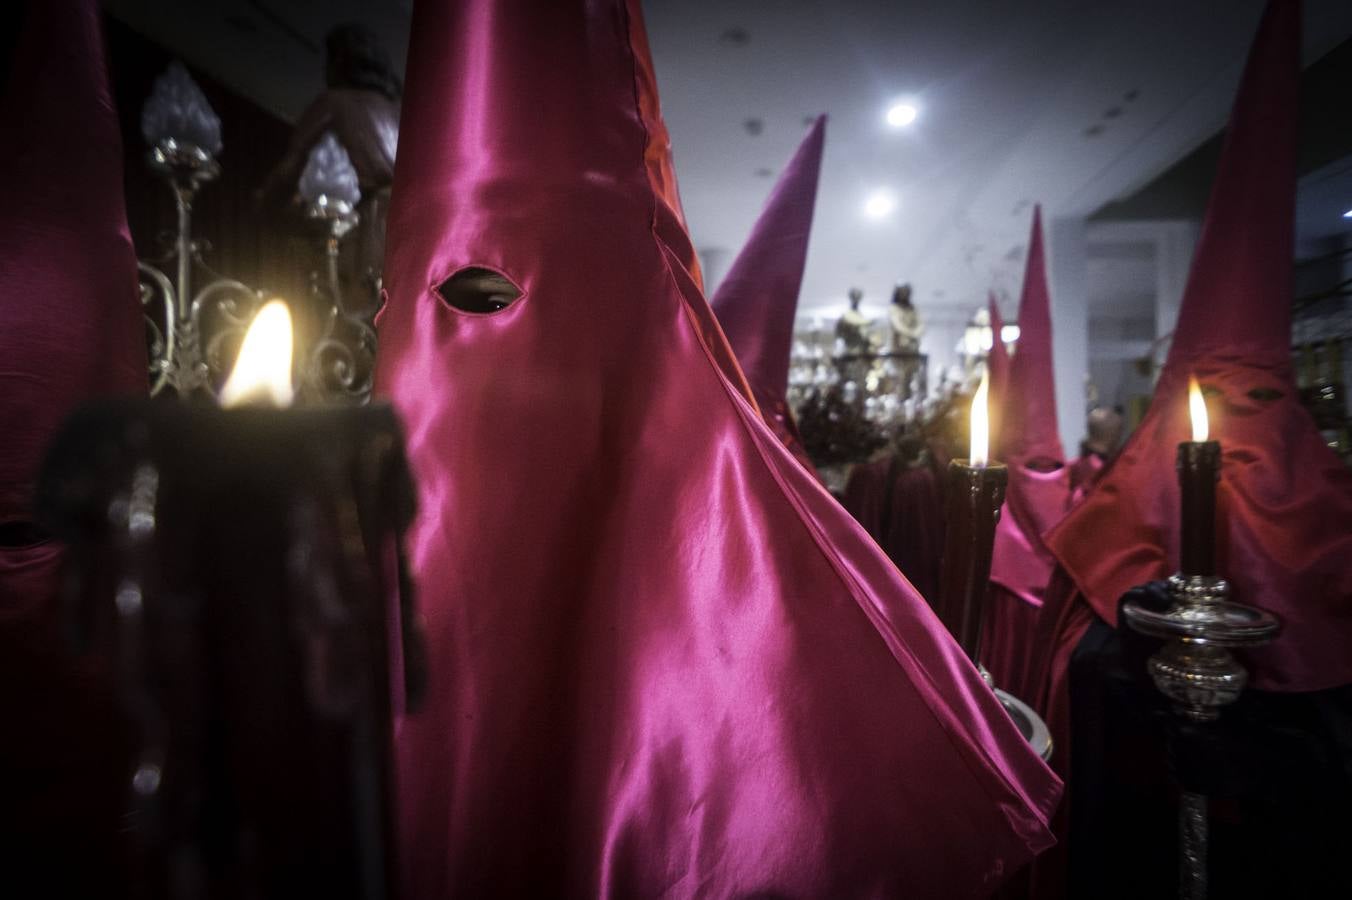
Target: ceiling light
{"x": 899, "y": 115}
{"x": 1348, "y": 214}
{"x": 879, "y": 204}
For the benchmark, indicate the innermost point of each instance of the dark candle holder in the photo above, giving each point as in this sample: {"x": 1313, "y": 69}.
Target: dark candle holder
{"x": 1199, "y": 468}
{"x": 1195, "y": 668}
{"x": 242, "y": 570}
{"x": 974, "y": 497}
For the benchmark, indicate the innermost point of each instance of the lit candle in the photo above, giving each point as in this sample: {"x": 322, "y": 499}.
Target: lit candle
{"x": 262, "y": 372}
{"x": 1199, "y": 464}
{"x": 980, "y": 423}
{"x": 242, "y": 567}
{"x": 975, "y": 493}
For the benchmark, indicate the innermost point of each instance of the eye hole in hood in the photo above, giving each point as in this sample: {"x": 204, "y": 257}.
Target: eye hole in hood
{"x": 478, "y": 290}
{"x": 1265, "y": 394}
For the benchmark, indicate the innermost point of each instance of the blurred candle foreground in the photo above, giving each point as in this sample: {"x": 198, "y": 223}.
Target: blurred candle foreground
{"x": 975, "y": 493}
{"x": 242, "y": 571}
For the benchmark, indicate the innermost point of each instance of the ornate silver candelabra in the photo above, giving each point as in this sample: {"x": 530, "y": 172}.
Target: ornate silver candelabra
{"x": 1197, "y": 671}
{"x": 341, "y": 360}
{"x": 188, "y": 331}
{"x": 193, "y": 332}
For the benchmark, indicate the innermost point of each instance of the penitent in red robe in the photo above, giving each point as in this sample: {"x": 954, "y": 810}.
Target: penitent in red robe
{"x": 664, "y": 661}
{"x": 1039, "y": 481}
{"x": 70, "y": 329}
{"x": 1283, "y": 497}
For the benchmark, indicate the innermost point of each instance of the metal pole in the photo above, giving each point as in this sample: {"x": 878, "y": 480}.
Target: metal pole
{"x": 1192, "y": 845}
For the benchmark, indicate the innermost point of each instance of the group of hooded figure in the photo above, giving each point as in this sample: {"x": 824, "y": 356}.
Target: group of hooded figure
{"x": 663, "y": 659}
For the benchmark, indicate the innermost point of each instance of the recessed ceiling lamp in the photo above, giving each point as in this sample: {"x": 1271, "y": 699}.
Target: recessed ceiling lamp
{"x": 879, "y": 204}
{"x": 899, "y": 115}
{"x": 1348, "y": 214}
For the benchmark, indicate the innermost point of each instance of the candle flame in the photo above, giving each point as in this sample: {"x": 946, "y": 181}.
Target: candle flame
{"x": 980, "y": 425}
{"x": 262, "y": 373}
{"x": 1197, "y": 408}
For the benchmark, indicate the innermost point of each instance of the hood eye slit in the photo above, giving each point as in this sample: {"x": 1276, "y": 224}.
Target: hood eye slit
{"x": 478, "y": 290}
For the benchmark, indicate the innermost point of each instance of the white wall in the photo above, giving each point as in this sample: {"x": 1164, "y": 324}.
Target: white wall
{"x": 1068, "y": 271}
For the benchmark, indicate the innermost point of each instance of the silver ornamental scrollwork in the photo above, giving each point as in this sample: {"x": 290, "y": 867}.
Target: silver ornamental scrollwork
{"x": 228, "y": 307}
{"x": 157, "y": 305}
{"x": 339, "y": 365}
{"x": 192, "y": 337}
{"x": 193, "y": 352}
{"x": 187, "y": 333}
{"x": 341, "y": 362}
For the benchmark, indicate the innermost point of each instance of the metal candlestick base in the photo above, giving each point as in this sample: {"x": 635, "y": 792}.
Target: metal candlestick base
{"x": 1199, "y": 674}
{"x": 974, "y": 497}
{"x": 1029, "y": 723}
{"x": 1196, "y": 669}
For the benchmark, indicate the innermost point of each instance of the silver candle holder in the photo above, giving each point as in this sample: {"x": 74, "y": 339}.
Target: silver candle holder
{"x": 193, "y": 331}
{"x": 1196, "y": 670}
{"x": 188, "y": 329}
{"x": 340, "y": 362}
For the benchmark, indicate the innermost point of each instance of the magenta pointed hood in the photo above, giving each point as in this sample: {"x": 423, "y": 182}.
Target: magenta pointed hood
{"x": 1028, "y": 425}
{"x": 1284, "y": 498}
{"x": 647, "y": 626}
{"x": 70, "y": 330}
{"x": 69, "y": 304}
{"x": 1038, "y": 494}
{"x": 758, "y": 299}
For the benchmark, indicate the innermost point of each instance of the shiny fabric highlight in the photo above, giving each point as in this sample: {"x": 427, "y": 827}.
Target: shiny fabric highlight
{"x": 664, "y": 661}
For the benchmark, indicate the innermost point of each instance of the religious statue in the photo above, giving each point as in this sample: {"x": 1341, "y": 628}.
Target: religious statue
{"x": 852, "y": 329}
{"x": 906, "y": 326}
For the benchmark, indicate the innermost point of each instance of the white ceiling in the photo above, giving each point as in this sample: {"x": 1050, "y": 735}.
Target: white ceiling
{"x": 1006, "y": 93}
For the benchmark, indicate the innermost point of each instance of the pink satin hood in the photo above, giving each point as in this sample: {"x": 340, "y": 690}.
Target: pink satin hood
{"x": 664, "y": 661}
{"x": 1029, "y": 440}
{"x": 70, "y": 330}
{"x": 72, "y": 326}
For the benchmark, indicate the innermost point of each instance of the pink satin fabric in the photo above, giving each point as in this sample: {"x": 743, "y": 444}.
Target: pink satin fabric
{"x": 758, "y": 298}
{"x": 68, "y": 295}
{"x": 664, "y": 661}
{"x": 1036, "y": 499}
{"x": 1284, "y": 498}
{"x": 72, "y": 330}
{"x": 1021, "y": 567}
{"x": 1028, "y": 401}
{"x": 1084, "y": 474}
